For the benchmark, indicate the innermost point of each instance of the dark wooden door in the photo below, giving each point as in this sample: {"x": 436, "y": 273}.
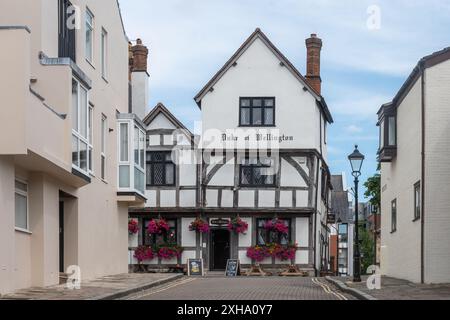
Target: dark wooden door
{"x": 61, "y": 236}
{"x": 220, "y": 249}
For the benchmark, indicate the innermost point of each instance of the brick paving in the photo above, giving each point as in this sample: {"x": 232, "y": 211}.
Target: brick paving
{"x": 244, "y": 288}
{"x": 92, "y": 290}
{"x": 396, "y": 289}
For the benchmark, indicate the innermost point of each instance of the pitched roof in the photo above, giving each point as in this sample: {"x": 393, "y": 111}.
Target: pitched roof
{"x": 258, "y": 34}
{"x": 339, "y": 199}
{"x": 424, "y": 63}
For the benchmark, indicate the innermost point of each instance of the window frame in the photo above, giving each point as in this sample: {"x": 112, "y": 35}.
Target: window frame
{"x": 268, "y": 234}
{"x": 104, "y": 135}
{"x": 76, "y": 132}
{"x": 104, "y": 53}
{"x": 90, "y": 26}
{"x": 253, "y": 167}
{"x": 394, "y": 216}
{"x": 417, "y": 201}
{"x": 263, "y": 111}
{"x": 23, "y": 194}
{"x": 91, "y": 138}
{"x": 153, "y": 239}
{"x": 149, "y": 164}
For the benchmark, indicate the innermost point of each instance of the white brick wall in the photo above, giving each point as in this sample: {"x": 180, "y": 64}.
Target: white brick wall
{"x": 437, "y": 174}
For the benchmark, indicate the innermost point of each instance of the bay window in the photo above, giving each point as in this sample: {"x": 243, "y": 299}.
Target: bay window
{"x": 131, "y": 169}
{"x": 80, "y": 124}
{"x": 387, "y": 122}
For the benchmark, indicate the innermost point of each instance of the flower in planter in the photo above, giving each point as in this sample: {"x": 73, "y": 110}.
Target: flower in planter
{"x": 199, "y": 225}
{"x": 238, "y": 225}
{"x": 277, "y": 225}
{"x": 133, "y": 227}
{"x": 158, "y": 226}
{"x": 286, "y": 253}
{"x": 168, "y": 252}
{"x": 258, "y": 253}
{"x": 144, "y": 253}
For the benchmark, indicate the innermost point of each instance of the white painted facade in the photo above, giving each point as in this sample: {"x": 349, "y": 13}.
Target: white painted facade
{"x": 403, "y": 251}
{"x": 211, "y": 187}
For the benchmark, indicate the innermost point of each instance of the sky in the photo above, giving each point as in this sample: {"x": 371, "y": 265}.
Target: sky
{"x": 369, "y": 49}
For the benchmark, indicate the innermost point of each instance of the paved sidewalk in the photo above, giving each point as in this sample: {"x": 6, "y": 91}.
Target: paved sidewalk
{"x": 106, "y": 288}
{"x": 396, "y": 289}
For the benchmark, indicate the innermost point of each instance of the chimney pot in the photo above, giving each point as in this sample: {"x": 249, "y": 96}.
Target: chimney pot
{"x": 313, "y": 48}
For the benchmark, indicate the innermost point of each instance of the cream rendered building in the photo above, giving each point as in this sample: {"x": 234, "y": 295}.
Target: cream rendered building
{"x": 414, "y": 152}
{"x": 62, "y": 91}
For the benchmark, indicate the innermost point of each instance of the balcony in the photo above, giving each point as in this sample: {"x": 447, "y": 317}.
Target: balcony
{"x": 37, "y": 123}
{"x": 131, "y": 168}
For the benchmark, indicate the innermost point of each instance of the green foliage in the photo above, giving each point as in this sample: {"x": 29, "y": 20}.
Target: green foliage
{"x": 366, "y": 248}
{"x": 373, "y": 190}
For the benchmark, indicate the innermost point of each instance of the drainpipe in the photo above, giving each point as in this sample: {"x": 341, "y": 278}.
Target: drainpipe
{"x": 422, "y": 223}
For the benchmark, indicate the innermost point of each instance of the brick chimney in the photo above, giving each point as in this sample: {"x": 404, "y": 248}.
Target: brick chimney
{"x": 138, "y": 55}
{"x": 313, "y": 47}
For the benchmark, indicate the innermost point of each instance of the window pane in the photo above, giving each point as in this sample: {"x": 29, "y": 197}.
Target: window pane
{"x": 124, "y": 142}
{"x": 21, "y": 186}
{"x": 148, "y": 171}
{"x": 83, "y": 156}
{"x": 268, "y": 116}
{"x": 170, "y": 174}
{"x": 245, "y": 103}
{"x": 270, "y": 179}
{"x": 142, "y": 148}
{"x": 90, "y": 159}
{"x": 124, "y": 176}
{"x": 103, "y": 167}
{"x": 83, "y": 112}
{"x": 75, "y": 155}
{"x": 392, "y": 131}
{"x": 245, "y": 116}
{"x": 257, "y": 103}
{"x": 257, "y": 116}
{"x": 246, "y": 175}
{"x": 21, "y": 211}
{"x": 75, "y": 105}
{"x": 258, "y": 177}
{"x": 268, "y": 103}
{"x": 104, "y": 125}
{"x": 88, "y": 42}
{"x": 262, "y": 233}
{"x": 158, "y": 174}
{"x": 90, "y": 124}
{"x": 158, "y": 156}
{"x": 136, "y": 145}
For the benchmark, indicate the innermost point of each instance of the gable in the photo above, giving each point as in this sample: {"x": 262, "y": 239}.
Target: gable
{"x": 161, "y": 122}
{"x": 259, "y": 39}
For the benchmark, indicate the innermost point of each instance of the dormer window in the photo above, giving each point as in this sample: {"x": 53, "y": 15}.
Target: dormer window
{"x": 388, "y": 132}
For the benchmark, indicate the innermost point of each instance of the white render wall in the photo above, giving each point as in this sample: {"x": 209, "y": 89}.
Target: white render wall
{"x": 258, "y": 74}
{"x": 400, "y": 253}
{"x": 437, "y": 174}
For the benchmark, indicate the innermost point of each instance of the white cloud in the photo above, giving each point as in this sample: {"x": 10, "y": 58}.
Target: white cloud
{"x": 353, "y": 129}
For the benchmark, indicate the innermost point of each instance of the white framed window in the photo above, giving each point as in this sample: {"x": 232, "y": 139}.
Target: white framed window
{"x": 124, "y": 155}
{"x": 104, "y": 53}
{"x": 21, "y": 205}
{"x": 91, "y": 137}
{"x": 80, "y": 124}
{"x": 103, "y": 149}
{"x": 89, "y": 36}
{"x": 139, "y": 159}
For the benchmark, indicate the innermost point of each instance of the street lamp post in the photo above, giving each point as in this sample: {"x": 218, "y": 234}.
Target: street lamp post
{"x": 356, "y": 160}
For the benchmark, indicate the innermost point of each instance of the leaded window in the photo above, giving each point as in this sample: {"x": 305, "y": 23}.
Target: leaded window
{"x": 160, "y": 169}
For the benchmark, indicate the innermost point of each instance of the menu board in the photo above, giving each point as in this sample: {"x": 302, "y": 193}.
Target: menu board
{"x": 195, "y": 267}
{"x": 233, "y": 268}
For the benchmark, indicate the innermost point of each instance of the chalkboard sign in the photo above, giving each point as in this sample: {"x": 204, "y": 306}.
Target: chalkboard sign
{"x": 195, "y": 267}
{"x": 233, "y": 268}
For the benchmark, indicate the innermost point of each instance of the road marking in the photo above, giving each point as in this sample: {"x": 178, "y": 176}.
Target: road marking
{"x": 164, "y": 288}
{"x": 328, "y": 290}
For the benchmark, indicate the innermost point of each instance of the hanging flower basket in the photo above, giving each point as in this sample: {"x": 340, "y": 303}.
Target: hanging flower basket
{"x": 200, "y": 226}
{"x": 168, "y": 252}
{"x": 238, "y": 226}
{"x": 277, "y": 225}
{"x": 144, "y": 253}
{"x": 133, "y": 227}
{"x": 158, "y": 226}
{"x": 258, "y": 253}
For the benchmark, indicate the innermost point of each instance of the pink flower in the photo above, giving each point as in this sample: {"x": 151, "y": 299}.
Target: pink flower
{"x": 133, "y": 227}
{"x": 238, "y": 225}
{"x": 200, "y": 226}
{"x": 143, "y": 253}
{"x": 158, "y": 227}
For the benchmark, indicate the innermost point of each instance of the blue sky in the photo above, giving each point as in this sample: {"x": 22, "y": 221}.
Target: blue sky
{"x": 362, "y": 68}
